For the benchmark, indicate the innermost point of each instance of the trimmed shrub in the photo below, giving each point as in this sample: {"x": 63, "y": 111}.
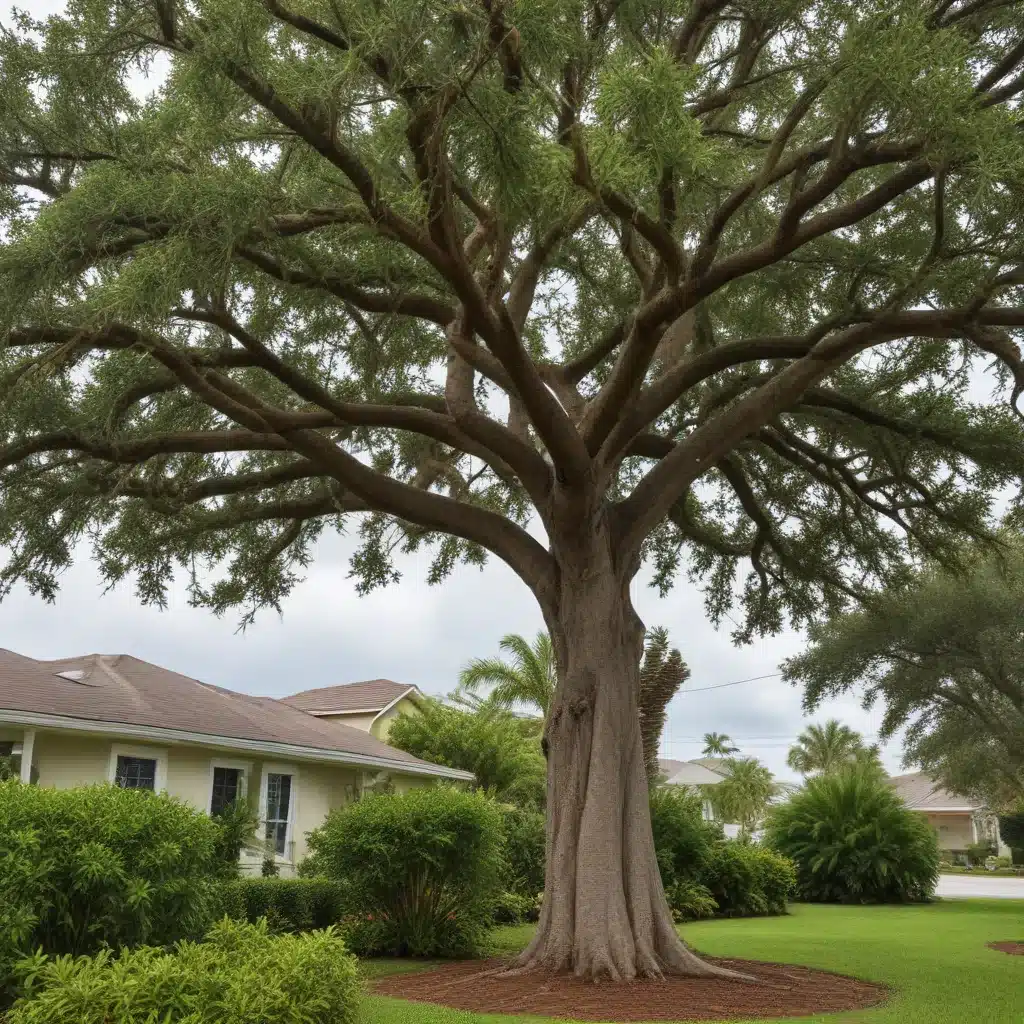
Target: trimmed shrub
{"x": 513, "y": 908}
{"x": 854, "y": 841}
{"x": 747, "y": 880}
{"x": 287, "y": 904}
{"x": 421, "y": 871}
{"x": 84, "y": 868}
{"x": 241, "y": 974}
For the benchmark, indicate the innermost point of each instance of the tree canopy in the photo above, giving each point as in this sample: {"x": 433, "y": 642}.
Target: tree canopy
{"x": 718, "y": 743}
{"x": 745, "y": 795}
{"x": 731, "y": 261}
{"x": 944, "y": 656}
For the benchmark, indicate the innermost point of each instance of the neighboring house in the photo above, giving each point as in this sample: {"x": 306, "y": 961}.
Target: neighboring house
{"x": 959, "y": 820}
{"x": 118, "y": 719}
{"x": 693, "y": 774}
{"x": 371, "y": 705}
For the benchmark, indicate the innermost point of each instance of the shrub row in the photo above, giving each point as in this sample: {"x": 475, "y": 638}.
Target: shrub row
{"x": 287, "y": 904}
{"x": 241, "y": 974}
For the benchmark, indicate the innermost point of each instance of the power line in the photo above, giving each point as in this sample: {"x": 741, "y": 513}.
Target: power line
{"x": 736, "y": 682}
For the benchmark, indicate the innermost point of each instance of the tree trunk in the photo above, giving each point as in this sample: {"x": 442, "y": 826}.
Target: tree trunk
{"x": 604, "y": 913}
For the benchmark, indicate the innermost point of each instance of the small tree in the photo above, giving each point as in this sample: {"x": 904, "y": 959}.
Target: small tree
{"x": 662, "y": 673}
{"x": 820, "y": 749}
{"x": 945, "y": 657}
{"x": 697, "y": 283}
{"x": 529, "y": 679}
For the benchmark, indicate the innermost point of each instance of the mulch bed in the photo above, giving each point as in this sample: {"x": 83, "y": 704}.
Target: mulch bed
{"x": 1014, "y": 948}
{"x": 780, "y": 990}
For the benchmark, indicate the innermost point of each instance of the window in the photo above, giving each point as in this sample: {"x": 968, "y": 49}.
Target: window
{"x": 6, "y": 748}
{"x": 279, "y": 799}
{"x": 135, "y": 773}
{"x": 228, "y": 786}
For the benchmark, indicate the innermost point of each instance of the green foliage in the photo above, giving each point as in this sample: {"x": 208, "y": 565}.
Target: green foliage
{"x": 84, "y": 868}
{"x": 524, "y": 848}
{"x": 978, "y": 853}
{"x": 944, "y": 655}
{"x": 241, "y": 974}
{"x": 662, "y": 672}
{"x": 854, "y": 841}
{"x": 236, "y": 830}
{"x": 690, "y": 901}
{"x": 746, "y": 794}
{"x": 504, "y": 757}
{"x": 421, "y": 871}
{"x": 1011, "y": 829}
{"x": 529, "y": 679}
{"x": 705, "y": 874}
{"x": 718, "y": 744}
{"x": 746, "y": 880}
{"x": 824, "y": 748}
{"x": 683, "y": 840}
{"x": 287, "y": 904}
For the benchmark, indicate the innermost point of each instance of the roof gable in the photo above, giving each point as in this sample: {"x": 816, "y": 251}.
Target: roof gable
{"x": 368, "y": 696}
{"x": 922, "y": 793}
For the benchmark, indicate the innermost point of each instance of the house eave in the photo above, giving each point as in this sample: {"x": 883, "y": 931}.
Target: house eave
{"x": 37, "y": 720}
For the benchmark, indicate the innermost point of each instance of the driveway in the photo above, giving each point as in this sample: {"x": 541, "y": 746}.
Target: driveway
{"x": 960, "y": 887}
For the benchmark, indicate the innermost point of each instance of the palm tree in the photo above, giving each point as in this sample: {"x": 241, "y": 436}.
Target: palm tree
{"x": 821, "y": 749}
{"x": 529, "y": 679}
{"x": 718, "y": 744}
{"x": 746, "y": 793}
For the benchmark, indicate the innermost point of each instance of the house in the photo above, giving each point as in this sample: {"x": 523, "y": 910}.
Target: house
{"x": 693, "y": 774}
{"x": 118, "y": 719}
{"x": 960, "y": 821}
{"x": 371, "y": 705}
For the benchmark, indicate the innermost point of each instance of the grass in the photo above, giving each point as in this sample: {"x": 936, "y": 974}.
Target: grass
{"x": 933, "y": 957}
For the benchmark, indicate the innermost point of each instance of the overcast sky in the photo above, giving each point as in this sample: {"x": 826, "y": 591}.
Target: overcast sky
{"x": 415, "y": 634}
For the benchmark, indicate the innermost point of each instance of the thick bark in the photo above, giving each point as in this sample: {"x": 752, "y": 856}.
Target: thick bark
{"x": 604, "y": 913}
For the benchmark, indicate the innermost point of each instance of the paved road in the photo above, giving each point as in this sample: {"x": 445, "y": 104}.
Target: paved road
{"x": 979, "y": 886}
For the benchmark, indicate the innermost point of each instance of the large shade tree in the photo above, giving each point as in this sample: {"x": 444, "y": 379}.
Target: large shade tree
{"x": 944, "y": 657}
{"x": 581, "y": 285}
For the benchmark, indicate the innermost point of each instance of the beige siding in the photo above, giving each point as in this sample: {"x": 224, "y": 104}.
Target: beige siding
{"x": 356, "y": 721}
{"x": 383, "y": 724}
{"x": 954, "y": 830}
{"x": 65, "y": 759}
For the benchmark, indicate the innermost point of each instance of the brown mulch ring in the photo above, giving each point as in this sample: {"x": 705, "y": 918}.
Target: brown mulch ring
{"x": 1015, "y": 948}
{"x": 780, "y": 990}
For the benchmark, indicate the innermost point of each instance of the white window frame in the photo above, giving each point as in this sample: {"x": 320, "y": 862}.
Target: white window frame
{"x": 221, "y": 762}
{"x": 272, "y": 768}
{"x": 157, "y": 754}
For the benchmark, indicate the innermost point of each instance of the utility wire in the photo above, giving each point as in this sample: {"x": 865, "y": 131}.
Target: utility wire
{"x": 736, "y": 682}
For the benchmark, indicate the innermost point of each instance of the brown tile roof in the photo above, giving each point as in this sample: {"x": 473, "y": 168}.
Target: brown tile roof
{"x": 349, "y": 698}
{"x": 124, "y": 690}
{"x": 922, "y": 793}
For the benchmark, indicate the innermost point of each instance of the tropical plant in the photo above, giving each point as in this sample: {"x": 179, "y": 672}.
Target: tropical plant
{"x": 240, "y": 974}
{"x": 697, "y": 285}
{"x": 422, "y": 871}
{"x": 824, "y": 748}
{"x": 529, "y": 679}
{"x": 746, "y": 880}
{"x": 505, "y": 760}
{"x": 718, "y": 744}
{"x": 662, "y": 672}
{"x": 944, "y": 655}
{"x": 745, "y": 794}
{"x": 853, "y": 840}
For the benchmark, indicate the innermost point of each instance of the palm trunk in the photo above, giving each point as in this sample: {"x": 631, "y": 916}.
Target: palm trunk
{"x": 604, "y": 913}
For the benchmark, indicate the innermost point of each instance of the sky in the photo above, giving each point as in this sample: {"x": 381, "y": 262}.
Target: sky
{"x": 415, "y": 634}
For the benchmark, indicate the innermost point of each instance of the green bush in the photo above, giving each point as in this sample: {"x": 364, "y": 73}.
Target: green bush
{"x": 978, "y": 853}
{"x": 421, "y": 871}
{"x": 690, "y": 901}
{"x": 288, "y": 904}
{"x": 514, "y": 908}
{"x": 854, "y": 841}
{"x": 241, "y": 974}
{"x": 84, "y": 868}
{"x": 747, "y": 880}
{"x": 683, "y": 840}
{"x": 523, "y": 830}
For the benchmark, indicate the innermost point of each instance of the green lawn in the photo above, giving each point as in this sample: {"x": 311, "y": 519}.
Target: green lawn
{"x": 934, "y": 957}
